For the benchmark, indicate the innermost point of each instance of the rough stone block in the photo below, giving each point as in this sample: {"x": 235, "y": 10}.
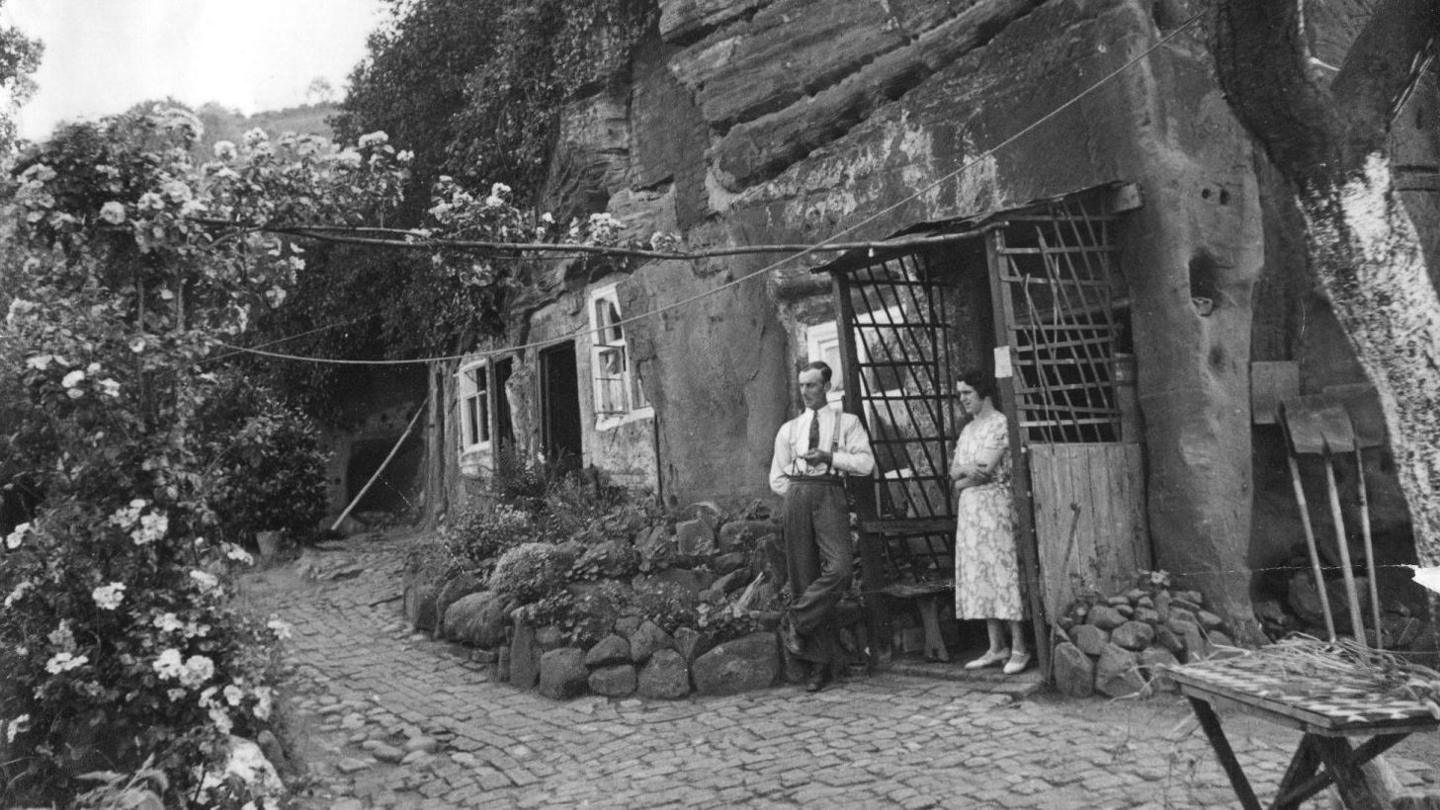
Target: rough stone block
{"x": 609, "y": 651}
{"x": 1153, "y": 663}
{"x": 1209, "y": 620}
{"x": 1116, "y": 673}
{"x": 751, "y": 662}
{"x": 1090, "y": 639}
{"x": 1133, "y": 635}
{"x": 524, "y": 657}
{"x": 685, "y": 20}
{"x": 1197, "y": 645}
{"x": 613, "y": 681}
{"x": 691, "y": 644}
{"x": 1074, "y": 671}
{"x": 420, "y": 605}
{"x": 1105, "y": 617}
{"x": 647, "y": 640}
{"x": 478, "y": 619}
{"x": 695, "y": 538}
{"x": 742, "y": 535}
{"x": 563, "y": 674}
{"x": 664, "y": 676}
{"x": 454, "y": 588}
{"x": 1170, "y": 640}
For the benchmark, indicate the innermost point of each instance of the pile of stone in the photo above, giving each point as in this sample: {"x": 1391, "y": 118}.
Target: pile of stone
{"x": 718, "y": 562}
{"x": 1120, "y": 645}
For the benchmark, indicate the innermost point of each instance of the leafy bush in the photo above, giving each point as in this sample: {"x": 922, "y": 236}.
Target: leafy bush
{"x": 722, "y": 625}
{"x": 667, "y": 604}
{"x": 482, "y": 534}
{"x": 615, "y": 559}
{"x": 270, "y": 473}
{"x": 585, "y": 619}
{"x": 530, "y": 571}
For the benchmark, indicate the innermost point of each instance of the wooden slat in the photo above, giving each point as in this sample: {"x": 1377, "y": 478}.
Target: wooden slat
{"x": 1052, "y": 345}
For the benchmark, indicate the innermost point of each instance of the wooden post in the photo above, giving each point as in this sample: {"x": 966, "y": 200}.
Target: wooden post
{"x": 1025, "y": 538}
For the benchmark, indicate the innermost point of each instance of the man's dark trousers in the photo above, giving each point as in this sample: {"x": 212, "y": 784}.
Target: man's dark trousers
{"x": 818, "y": 562}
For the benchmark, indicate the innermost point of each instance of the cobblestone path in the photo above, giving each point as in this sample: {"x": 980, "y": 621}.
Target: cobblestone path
{"x": 368, "y": 692}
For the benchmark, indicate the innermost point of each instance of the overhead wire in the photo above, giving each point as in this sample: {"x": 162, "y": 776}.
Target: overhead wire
{"x": 768, "y": 268}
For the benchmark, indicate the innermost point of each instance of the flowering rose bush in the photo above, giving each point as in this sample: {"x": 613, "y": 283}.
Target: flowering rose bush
{"x": 130, "y": 262}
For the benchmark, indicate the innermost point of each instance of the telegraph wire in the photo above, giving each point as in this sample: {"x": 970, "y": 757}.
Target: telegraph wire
{"x": 823, "y": 245}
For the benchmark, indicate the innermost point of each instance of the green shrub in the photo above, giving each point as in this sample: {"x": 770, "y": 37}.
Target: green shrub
{"x": 614, "y": 559}
{"x": 667, "y": 604}
{"x": 269, "y": 473}
{"x": 530, "y": 571}
{"x": 482, "y": 534}
{"x": 721, "y": 625}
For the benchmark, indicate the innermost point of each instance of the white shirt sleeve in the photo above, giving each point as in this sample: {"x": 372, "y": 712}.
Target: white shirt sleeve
{"x": 780, "y": 461}
{"x": 853, "y": 454}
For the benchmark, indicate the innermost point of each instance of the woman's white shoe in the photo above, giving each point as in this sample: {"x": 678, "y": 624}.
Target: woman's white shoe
{"x": 989, "y": 659}
{"x": 1017, "y": 663}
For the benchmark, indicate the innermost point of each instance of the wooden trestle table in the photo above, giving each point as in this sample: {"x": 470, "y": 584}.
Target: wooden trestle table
{"x": 1327, "y": 711}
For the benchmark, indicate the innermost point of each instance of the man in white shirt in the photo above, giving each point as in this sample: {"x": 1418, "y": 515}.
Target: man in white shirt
{"x": 812, "y": 454}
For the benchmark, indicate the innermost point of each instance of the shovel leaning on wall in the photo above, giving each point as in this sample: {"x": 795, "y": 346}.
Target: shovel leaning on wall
{"x": 1319, "y": 424}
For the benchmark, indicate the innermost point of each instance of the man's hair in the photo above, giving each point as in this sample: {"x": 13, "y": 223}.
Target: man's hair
{"x": 820, "y": 366}
{"x": 983, "y": 383}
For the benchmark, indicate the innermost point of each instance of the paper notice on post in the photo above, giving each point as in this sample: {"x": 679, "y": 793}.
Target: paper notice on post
{"x": 1002, "y": 363}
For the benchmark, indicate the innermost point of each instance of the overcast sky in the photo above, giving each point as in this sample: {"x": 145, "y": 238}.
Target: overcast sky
{"x": 103, "y": 56}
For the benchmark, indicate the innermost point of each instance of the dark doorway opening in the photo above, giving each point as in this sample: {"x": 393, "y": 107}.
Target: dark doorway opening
{"x": 394, "y": 491}
{"x": 560, "y": 405}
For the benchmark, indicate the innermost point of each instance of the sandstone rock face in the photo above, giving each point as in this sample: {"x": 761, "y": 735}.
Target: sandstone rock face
{"x": 613, "y": 681}
{"x": 665, "y": 676}
{"x": 611, "y": 650}
{"x": 563, "y": 674}
{"x": 752, "y": 662}
{"x": 478, "y": 619}
{"x": 1074, "y": 671}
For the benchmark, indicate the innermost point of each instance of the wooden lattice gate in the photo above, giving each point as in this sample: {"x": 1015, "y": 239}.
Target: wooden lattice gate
{"x": 1038, "y": 291}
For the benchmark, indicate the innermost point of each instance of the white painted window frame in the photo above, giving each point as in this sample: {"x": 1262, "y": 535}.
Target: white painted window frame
{"x": 604, "y": 346}
{"x": 475, "y": 434}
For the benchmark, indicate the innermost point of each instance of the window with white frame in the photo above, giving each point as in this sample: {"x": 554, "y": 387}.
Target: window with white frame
{"x": 474, "y": 405}
{"x": 617, "y": 388}
{"x": 822, "y": 342}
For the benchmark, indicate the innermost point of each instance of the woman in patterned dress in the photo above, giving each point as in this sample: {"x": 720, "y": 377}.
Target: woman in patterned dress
{"x": 987, "y": 570}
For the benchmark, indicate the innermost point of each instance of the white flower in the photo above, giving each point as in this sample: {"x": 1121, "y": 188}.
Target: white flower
{"x": 137, "y": 344}
{"x": 493, "y": 202}
{"x": 376, "y": 138}
{"x": 15, "y": 538}
{"x": 221, "y": 719}
{"x": 198, "y": 670}
{"x": 150, "y": 201}
{"x": 238, "y": 554}
{"x": 234, "y": 694}
{"x": 264, "y": 698}
{"x": 224, "y": 150}
{"x": 40, "y": 362}
{"x": 169, "y": 665}
{"x": 348, "y": 157}
{"x": 279, "y": 627}
{"x": 15, "y": 595}
{"x": 167, "y": 623}
{"x": 113, "y": 212}
{"x": 404, "y": 156}
{"x": 61, "y": 636}
{"x": 499, "y": 190}
{"x": 547, "y": 218}
{"x": 109, "y": 387}
{"x": 255, "y": 137}
{"x": 109, "y": 597}
{"x": 19, "y": 308}
{"x": 73, "y": 379}
{"x": 14, "y": 727}
{"x": 204, "y": 580}
{"x": 64, "y": 662}
{"x": 152, "y": 527}
{"x": 125, "y": 518}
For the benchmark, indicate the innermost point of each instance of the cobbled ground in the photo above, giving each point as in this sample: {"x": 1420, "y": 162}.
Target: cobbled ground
{"x": 382, "y": 716}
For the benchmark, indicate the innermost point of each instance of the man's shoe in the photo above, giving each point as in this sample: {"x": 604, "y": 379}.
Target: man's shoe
{"x": 819, "y": 678}
{"x": 789, "y": 637}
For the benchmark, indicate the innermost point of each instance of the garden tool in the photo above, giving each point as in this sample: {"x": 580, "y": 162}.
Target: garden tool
{"x": 1318, "y": 417}
{"x": 1297, "y": 436}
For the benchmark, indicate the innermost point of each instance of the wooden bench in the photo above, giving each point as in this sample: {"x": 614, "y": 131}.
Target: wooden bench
{"x": 908, "y": 559}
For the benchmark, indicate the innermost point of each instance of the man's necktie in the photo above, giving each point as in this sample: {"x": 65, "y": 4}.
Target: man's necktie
{"x": 814, "y": 430}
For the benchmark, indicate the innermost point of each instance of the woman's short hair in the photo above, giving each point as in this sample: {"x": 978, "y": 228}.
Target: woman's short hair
{"x": 983, "y": 383}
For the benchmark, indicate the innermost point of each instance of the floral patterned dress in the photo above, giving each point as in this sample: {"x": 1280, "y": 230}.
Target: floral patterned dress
{"x": 987, "y": 568}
